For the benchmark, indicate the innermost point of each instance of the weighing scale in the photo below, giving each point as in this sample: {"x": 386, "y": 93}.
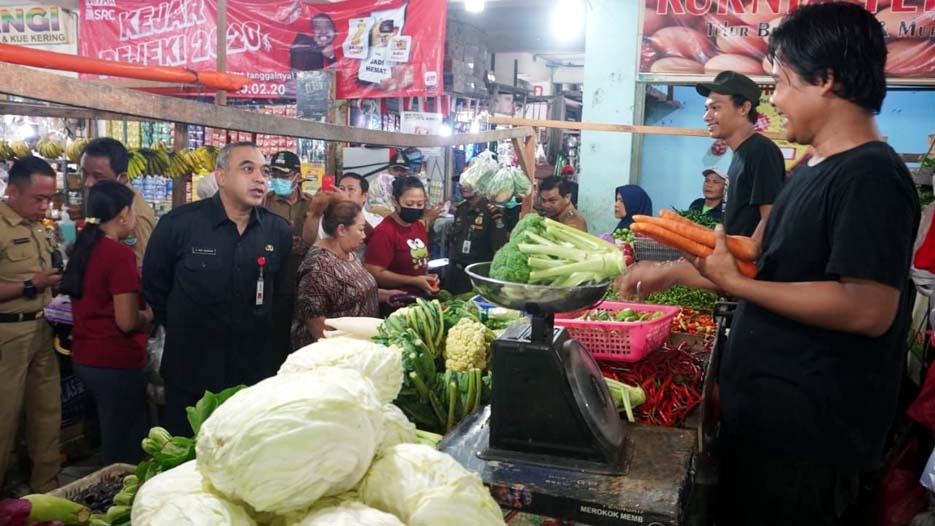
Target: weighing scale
{"x": 550, "y": 404}
{"x": 551, "y": 442}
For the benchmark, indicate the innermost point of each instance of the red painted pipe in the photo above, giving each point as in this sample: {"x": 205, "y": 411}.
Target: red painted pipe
{"x": 61, "y": 61}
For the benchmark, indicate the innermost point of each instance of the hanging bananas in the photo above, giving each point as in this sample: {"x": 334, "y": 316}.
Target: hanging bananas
{"x": 137, "y": 165}
{"x": 49, "y": 149}
{"x": 74, "y": 149}
{"x": 21, "y": 149}
{"x": 6, "y": 152}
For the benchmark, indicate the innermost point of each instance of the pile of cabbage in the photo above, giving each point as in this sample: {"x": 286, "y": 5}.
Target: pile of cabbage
{"x": 320, "y": 444}
{"x": 497, "y": 183}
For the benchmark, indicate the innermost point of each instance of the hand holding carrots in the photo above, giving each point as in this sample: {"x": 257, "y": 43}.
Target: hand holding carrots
{"x": 675, "y": 231}
{"x": 720, "y": 267}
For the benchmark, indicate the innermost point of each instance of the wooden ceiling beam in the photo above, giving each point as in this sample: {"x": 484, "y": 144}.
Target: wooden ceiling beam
{"x": 99, "y": 97}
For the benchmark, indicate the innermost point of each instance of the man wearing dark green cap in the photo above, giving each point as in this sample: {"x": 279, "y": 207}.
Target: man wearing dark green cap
{"x": 757, "y": 171}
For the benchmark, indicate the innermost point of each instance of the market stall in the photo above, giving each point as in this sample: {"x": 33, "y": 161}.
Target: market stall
{"x": 458, "y": 395}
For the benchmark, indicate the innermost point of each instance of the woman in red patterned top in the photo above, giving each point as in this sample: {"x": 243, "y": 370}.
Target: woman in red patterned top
{"x": 398, "y": 249}
{"x": 332, "y": 281}
{"x": 110, "y": 319}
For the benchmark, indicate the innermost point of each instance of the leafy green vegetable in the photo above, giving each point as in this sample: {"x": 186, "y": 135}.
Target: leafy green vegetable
{"x": 697, "y": 217}
{"x": 208, "y": 403}
{"x": 543, "y": 251}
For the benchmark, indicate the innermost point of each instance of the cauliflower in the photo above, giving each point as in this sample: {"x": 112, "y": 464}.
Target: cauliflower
{"x": 466, "y": 347}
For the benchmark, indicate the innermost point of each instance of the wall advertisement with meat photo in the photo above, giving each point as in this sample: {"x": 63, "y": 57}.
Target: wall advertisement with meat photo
{"x": 704, "y": 37}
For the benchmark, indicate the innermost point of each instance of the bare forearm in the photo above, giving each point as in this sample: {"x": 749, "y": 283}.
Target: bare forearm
{"x": 831, "y": 305}
{"x": 684, "y": 273}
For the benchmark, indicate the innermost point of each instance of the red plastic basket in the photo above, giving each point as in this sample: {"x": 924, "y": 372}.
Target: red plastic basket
{"x": 616, "y": 340}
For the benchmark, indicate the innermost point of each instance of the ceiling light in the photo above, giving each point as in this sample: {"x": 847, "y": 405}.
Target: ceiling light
{"x": 568, "y": 20}
{"x": 474, "y": 6}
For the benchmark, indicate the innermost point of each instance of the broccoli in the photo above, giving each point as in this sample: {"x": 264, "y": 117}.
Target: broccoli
{"x": 543, "y": 251}
{"x": 532, "y": 223}
{"x": 509, "y": 264}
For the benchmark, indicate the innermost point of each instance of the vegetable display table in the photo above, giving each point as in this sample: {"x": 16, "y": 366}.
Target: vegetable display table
{"x": 652, "y": 491}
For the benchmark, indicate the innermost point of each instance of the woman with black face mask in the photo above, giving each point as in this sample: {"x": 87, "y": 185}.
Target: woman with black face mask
{"x": 398, "y": 251}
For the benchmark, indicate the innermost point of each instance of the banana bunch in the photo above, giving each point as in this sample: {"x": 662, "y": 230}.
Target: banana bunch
{"x": 49, "y": 148}
{"x": 179, "y": 165}
{"x": 21, "y": 149}
{"x": 156, "y": 162}
{"x": 206, "y": 155}
{"x": 6, "y": 152}
{"x": 74, "y": 149}
{"x": 137, "y": 165}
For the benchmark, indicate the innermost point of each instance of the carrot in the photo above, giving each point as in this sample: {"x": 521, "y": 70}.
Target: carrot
{"x": 689, "y": 246}
{"x": 742, "y": 247}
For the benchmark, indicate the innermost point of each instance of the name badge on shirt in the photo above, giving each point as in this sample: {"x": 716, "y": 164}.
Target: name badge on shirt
{"x": 21, "y": 241}
{"x": 204, "y": 251}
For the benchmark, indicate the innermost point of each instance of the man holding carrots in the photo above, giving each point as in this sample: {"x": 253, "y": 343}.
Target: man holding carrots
{"x": 810, "y": 373}
{"x": 757, "y": 170}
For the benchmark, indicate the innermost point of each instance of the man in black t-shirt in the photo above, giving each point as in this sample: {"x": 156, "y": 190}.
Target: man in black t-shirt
{"x": 812, "y": 365}
{"x": 757, "y": 170}
{"x": 712, "y": 204}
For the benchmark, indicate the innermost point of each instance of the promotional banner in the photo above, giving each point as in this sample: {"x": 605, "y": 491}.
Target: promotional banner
{"x": 33, "y": 25}
{"x": 382, "y": 48}
{"x": 694, "y": 37}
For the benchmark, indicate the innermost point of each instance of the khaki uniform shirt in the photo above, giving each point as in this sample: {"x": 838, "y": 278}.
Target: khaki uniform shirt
{"x": 145, "y": 222}
{"x": 571, "y": 217}
{"x": 24, "y": 251}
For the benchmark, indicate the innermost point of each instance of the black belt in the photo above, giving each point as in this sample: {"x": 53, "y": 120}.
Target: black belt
{"x": 18, "y": 317}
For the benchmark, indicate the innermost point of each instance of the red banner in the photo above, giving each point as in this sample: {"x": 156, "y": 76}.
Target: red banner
{"x": 693, "y": 37}
{"x": 377, "y": 48}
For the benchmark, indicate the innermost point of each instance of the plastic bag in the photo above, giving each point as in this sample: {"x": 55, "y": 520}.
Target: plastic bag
{"x": 482, "y": 166}
{"x": 521, "y": 183}
{"x": 498, "y": 187}
{"x": 154, "y": 351}
{"x": 928, "y": 474}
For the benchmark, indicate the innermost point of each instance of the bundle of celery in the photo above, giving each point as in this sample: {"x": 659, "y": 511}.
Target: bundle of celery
{"x": 545, "y": 252}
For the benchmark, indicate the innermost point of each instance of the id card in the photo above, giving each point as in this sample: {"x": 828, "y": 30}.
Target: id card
{"x": 259, "y": 291}
{"x": 466, "y": 247}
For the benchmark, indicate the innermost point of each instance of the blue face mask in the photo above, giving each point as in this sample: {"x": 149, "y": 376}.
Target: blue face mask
{"x": 281, "y": 187}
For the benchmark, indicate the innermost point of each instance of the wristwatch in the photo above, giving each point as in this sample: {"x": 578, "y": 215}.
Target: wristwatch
{"x": 29, "y": 290}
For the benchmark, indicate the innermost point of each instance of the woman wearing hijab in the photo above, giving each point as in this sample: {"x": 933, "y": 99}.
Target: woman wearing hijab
{"x": 631, "y": 200}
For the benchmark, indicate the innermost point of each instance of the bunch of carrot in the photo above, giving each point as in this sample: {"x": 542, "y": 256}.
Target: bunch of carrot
{"x": 677, "y": 232}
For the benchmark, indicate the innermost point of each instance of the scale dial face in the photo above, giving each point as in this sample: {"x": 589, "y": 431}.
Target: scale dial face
{"x": 591, "y": 392}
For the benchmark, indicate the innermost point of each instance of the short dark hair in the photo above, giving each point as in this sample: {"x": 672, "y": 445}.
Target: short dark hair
{"x": 752, "y": 115}
{"x": 839, "y": 39}
{"x": 409, "y": 182}
{"x": 364, "y": 184}
{"x": 323, "y": 16}
{"x": 555, "y": 182}
{"x": 23, "y": 168}
{"x": 113, "y": 149}
{"x": 339, "y": 213}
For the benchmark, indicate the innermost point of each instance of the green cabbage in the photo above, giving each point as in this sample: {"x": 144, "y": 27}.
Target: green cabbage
{"x": 379, "y": 364}
{"x": 348, "y": 513}
{"x": 179, "y": 497}
{"x": 425, "y": 487}
{"x": 289, "y": 440}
